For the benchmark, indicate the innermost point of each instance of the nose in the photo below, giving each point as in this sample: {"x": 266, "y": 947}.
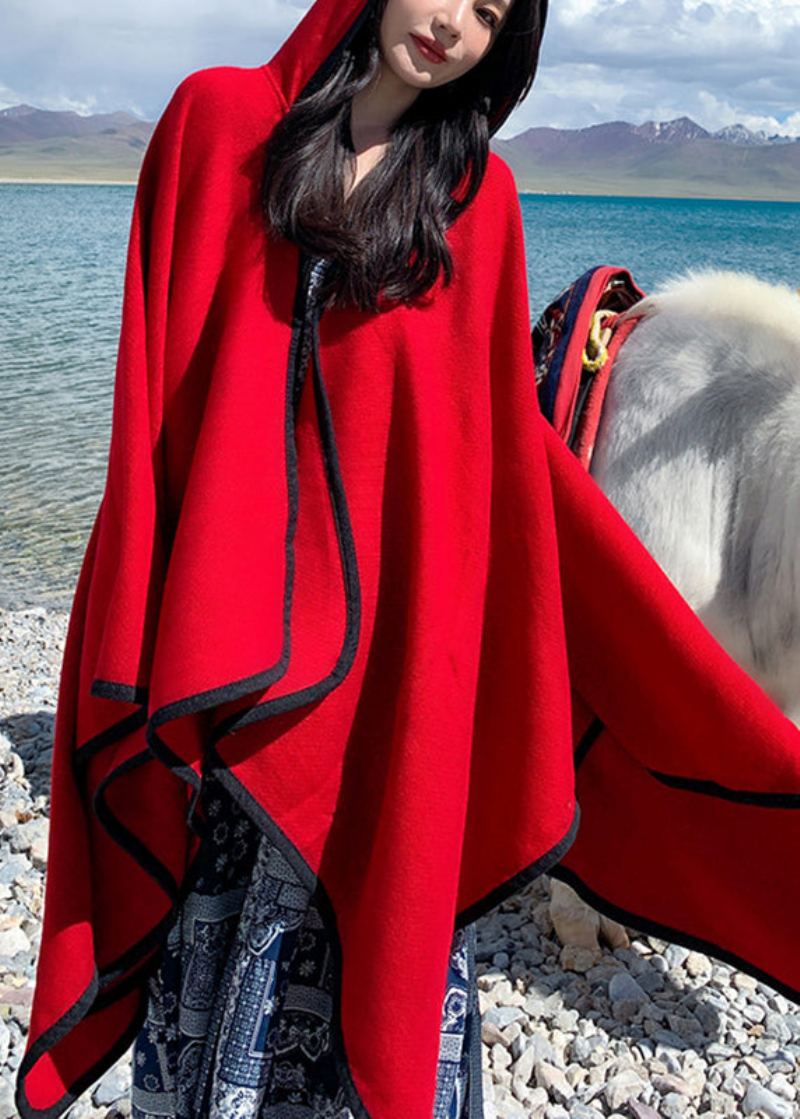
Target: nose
{"x": 451, "y": 17}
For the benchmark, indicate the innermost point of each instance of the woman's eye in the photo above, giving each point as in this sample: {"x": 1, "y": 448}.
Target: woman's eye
{"x": 492, "y": 22}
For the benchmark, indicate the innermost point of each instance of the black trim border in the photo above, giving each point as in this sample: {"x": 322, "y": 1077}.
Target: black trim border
{"x": 667, "y": 932}
{"x": 130, "y": 970}
{"x": 523, "y": 877}
{"x": 657, "y": 929}
{"x": 116, "y": 979}
{"x": 475, "y": 1088}
{"x": 751, "y": 797}
{"x": 112, "y": 977}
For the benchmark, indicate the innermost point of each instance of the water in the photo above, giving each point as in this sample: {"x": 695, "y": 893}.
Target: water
{"x": 655, "y": 238}
{"x": 63, "y": 251}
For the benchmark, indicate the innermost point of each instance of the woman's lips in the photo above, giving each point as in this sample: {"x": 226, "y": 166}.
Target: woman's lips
{"x": 425, "y": 50}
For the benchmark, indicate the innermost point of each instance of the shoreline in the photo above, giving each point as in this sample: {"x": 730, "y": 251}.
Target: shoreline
{"x": 41, "y": 181}
{"x": 67, "y": 182}
{"x": 565, "y": 1033}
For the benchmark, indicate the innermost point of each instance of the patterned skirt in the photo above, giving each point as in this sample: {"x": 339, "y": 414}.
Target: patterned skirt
{"x": 241, "y": 1017}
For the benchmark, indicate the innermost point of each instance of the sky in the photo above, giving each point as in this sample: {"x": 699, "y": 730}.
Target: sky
{"x": 720, "y": 63}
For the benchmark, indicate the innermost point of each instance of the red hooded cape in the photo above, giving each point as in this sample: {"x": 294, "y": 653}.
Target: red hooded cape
{"x": 385, "y": 622}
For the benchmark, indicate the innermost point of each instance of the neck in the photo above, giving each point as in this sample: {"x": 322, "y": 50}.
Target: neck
{"x": 375, "y": 109}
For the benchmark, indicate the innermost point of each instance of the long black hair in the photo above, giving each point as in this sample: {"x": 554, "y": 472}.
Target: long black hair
{"x": 388, "y": 236}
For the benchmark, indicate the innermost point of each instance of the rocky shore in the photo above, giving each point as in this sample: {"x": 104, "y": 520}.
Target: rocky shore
{"x": 654, "y": 1030}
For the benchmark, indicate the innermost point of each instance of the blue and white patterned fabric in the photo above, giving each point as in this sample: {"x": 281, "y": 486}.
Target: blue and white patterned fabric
{"x": 242, "y": 1019}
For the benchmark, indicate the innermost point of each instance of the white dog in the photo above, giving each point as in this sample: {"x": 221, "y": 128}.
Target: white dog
{"x": 699, "y": 450}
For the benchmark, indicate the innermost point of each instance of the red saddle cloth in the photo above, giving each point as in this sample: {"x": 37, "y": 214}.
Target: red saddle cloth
{"x": 698, "y": 842}
{"x": 385, "y": 614}
{"x": 571, "y": 381}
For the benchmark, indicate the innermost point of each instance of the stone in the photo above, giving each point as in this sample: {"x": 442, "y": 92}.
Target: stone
{"x": 501, "y": 1016}
{"x": 554, "y": 1081}
{"x": 13, "y": 940}
{"x": 744, "y": 982}
{"x": 578, "y": 1110}
{"x": 522, "y": 1069}
{"x": 115, "y": 1084}
{"x": 582, "y": 1047}
{"x": 759, "y": 1098}
{"x": 641, "y": 1110}
{"x": 622, "y": 985}
{"x": 8, "y": 1109}
{"x": 511, "y": 1034}
{"x": 121, "y": 1110}
{"x": 32, "y": 836}
{"x": 778, "y": 1084}
{"x": 756, "y": 1065}
{"x": 673, "y": 1105}
{"x": 576, "y": 1076}
{"x": 576, "y": 958}
{"x": 697, "y": 964}
{"x": 501, "y": 1058}
{"x": 556, "y": 1111}
{"x": 491, "y": 1034}
{"x": 668, "y": 1082}
{"x": 509, "y": 1108}
{"x": 622, "y": 1087}
{"x": 12, "y": 866}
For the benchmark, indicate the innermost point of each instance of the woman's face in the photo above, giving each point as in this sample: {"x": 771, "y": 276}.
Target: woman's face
{"x": 462, "y": 32}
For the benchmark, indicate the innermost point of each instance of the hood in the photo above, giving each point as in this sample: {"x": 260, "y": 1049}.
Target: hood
{"x": 315, "y": 45}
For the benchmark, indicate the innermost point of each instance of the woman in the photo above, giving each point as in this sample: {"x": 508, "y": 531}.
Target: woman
{"x": 316, "y": 710}
{"x": 314, "y": 628}
{"x": 239, "y": 1020}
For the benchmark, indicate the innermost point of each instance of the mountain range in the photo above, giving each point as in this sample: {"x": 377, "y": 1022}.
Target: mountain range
{"x": 675, "y": 158}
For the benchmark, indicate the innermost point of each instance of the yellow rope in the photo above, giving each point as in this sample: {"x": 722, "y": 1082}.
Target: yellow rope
{"x": 597, "y": 342}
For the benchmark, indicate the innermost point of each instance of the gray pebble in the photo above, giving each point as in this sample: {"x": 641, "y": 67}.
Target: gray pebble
{"x": 781, "y": 1062}
{"x": 675, "y": 955}
{"x": 11, "y": 866}
{"x": 641, "y": 1110}
{"x": 583, "y": 1047}
{"x": 623, "y": 987}
{"x": 578, "y": 1110}
{"x": 776, "y": 1025}
{"x": 612, "y": 1017}
{"x": 502, "y": 1016}
{"x": 670, "y": 1039}
{"x": 759, "y": 1098}
{"x": 114, "y": 1084}
{"x": 717, "y": 1051}
{"x": 8, "y": 1108}
{"x": 650, "y": 979}
{"x": 12, "y": 941}
{"x": 622, "y": 1087}
{"x": 556, "y": 1111}
{"x": 673, "y": 1105}
{"x": 542, "y": 1049}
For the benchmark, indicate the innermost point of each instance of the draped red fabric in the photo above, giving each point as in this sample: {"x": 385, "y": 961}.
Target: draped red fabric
{"x": 385, "y": 622}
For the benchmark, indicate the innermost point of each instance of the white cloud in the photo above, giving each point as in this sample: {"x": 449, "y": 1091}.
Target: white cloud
{"x": 637, "y": 60}
{"x": 718, "y": 62}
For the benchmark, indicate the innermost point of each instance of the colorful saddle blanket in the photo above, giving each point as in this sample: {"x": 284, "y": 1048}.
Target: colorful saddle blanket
{"x": 575, "y": 342}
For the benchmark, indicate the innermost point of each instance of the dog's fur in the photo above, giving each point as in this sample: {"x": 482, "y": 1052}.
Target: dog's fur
{"x": 699, "y": 450}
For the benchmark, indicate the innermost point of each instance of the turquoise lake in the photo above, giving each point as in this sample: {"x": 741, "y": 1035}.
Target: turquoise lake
{"x": 62, "y": 254}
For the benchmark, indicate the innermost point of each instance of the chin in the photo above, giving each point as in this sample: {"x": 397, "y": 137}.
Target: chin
{"x": 414, "y": 81}
{"x": 400, "y": 61}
